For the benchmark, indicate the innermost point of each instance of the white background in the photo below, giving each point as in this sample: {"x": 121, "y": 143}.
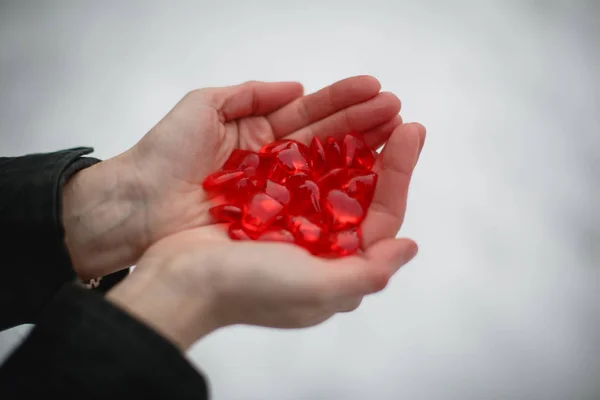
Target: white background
{"x": 502, "y": 301}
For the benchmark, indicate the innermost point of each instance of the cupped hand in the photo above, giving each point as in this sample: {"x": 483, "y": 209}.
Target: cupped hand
{"x": 115, "y": 210}
{"x": 198, "y": 135}
{"x": 196, "y": 281}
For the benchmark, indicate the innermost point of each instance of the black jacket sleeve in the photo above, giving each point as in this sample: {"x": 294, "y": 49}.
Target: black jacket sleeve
{"x": 81, "y": 346}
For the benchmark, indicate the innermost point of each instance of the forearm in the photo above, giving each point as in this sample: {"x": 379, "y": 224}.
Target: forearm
{"x": 103, "y": 214}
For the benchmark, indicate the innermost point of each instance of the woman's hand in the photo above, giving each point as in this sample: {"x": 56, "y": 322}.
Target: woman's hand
{"x": 194, "y": 282}
{"x": 114, "y": 210}
{"x": 197, "y": 281}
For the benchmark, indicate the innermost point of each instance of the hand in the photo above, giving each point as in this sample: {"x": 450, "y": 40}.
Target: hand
{"x": 113, "y": 211}
{"x": 193, "y": 282}
{"x": 197, "y": 281}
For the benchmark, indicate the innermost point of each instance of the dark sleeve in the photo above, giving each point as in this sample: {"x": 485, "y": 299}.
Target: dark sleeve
{"x": 34, "y": 261}
{"x": 85, "y": 348}
{"x": 81, "y": 346}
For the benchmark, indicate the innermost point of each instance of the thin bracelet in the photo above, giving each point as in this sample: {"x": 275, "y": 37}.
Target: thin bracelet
{"x": 92, "y": 283}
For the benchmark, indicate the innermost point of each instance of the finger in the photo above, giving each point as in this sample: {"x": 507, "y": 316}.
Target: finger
{"x": 394, "y": 167}
{"x": 358, "y": 276}
{"x": 358, "y": 118}
{"x": 316, "y": 106}
{"x": 376, "y": 137}
{"x": 251, "y": 98}
{"x": 393, "y": 253}
{"x": 350, "y": 277}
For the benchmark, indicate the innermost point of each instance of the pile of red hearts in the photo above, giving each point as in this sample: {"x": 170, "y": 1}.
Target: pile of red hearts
{"x": 313, "y": 196}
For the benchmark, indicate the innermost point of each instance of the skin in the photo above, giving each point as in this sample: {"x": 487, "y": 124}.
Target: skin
{"x": 147, "y": 207}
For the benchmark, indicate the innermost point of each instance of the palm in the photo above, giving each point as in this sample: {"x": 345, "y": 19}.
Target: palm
{"x": 198, "y": 135}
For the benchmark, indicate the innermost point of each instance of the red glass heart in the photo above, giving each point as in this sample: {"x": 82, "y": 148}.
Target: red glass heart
{"x": 342, "y": 210}
{"x": 280, "y": 221}
{"x": 265, "y": 165}
{"x": 307, "y": 233}
{"x": 302, "y": 148}
{"x": 221, "y": 179}
{"x": 334, "y": 179}
{"x": 333, "y": 153}
{"x": 356, "y": 153}
{"x": 275, "y": 147}
{"x": 236, "y": 232}
{"x": 259, "y": 184}
{"x": 276, "y": 235}
{"x": 260, "y": 212}
{"x": 278, "y": 174}
{"x": 277, "y": 191}
{"x": 239, "y": 193}
{"x": 292, "y": 161}
{"x": 318, "y": 161}
{"x": 296, "y": 179}
{"x": 241, "y": 160}
{"x": 361, "y": 187}
{"x": 305, "y": 196}
{"x": 345, "y": 243}
{"x": 226, "y": 213}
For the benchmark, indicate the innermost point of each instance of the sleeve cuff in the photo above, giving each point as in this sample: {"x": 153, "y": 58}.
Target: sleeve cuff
{"x": 32, "y": 236}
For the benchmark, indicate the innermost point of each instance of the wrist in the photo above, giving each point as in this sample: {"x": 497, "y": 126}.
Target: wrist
{"x": 102, "y": 212}
{"x": 151, "y": 297}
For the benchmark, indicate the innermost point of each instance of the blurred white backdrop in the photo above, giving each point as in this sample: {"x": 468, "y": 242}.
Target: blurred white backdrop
{"x": 503, "y": 300}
